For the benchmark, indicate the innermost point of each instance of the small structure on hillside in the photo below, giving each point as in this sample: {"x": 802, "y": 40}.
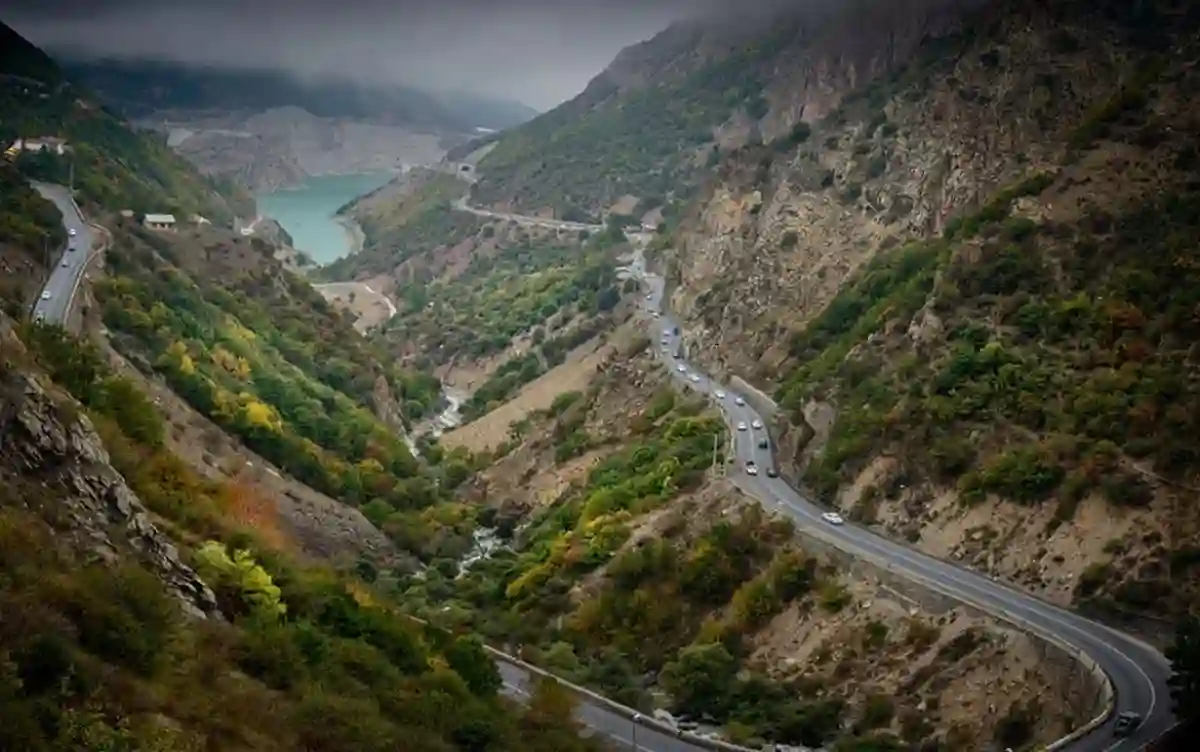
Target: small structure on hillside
{"x": 199, "y": 220}
{"x": 46, "y": 143}
{"x": 164, "y": 222}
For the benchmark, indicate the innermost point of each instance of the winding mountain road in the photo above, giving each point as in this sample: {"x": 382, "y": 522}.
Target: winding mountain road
{"x": 1138, "y": 672}
{"x": 554, "y": 224}
{"x": 54, "y": 303}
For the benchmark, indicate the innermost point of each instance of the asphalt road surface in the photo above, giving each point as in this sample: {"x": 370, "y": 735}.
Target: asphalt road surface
{"x": 620, "y": 732}
{"x": 54, "y": 301}
{"x": 557, "y": 224}
{"x": 1138, "y": 672}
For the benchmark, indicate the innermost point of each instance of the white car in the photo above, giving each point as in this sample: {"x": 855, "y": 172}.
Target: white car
{"x": 751, "y": 468}
{"x": 757, "y": 424}
{"x": 71, "y": 232}
{"x": 694, "y": 379}
{"x": 741, "y": 426}
{"x": 66, "y": 263}
{"x": 739, "y": 401}
{"x": 666, "y": 332}
{"x": 681, "y": 368}
{"x": 719, "y": 394}
{"x": 833, "y": 518}
{"x": 654, "y": 314}
{"x": 46, "y": 295}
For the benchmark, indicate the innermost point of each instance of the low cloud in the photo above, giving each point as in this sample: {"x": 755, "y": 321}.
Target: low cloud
{"x": 537, "y": 52}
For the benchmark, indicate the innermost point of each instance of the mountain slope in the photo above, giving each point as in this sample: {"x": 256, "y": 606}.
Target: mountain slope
{"x": 113, "y": 167}
{"x": 650, "y": 123}
{"x": 112, "y": 637}
{"x": 969, "y": 288}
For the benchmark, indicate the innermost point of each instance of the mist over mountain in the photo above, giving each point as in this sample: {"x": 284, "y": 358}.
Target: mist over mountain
{"x": 139, "y": 87}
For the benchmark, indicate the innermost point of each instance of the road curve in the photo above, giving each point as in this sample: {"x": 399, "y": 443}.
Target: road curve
{"x": 1137, "y": 671}
{"x": 54, "y": 302}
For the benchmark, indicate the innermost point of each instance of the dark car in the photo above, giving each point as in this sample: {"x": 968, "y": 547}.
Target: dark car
{"x": 1127, "y": 723}
{"x": 762, "y": 444}
{"x": 772, "y": 472}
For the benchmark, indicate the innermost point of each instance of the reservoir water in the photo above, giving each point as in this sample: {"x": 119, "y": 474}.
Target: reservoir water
{"x": 307, "y": 211}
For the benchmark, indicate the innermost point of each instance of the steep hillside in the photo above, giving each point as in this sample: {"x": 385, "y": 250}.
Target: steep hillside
{"x": 118, "y": 636}
{"x": 114, "y": 168}
{"x": 649, "y": 125}
{"x": 261, "y": 354}
{"x": 632, "y": 566}
{"x": 969, "y": 287}
{"x": 30, "y": 230}
{"x": 412, "y": 216}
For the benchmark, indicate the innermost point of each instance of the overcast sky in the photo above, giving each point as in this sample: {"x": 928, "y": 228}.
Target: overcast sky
{"x": 540, "y": 52}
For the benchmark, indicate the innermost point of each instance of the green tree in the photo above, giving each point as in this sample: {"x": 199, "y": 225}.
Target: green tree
{"x": 247, "y": 586}
{"x": 700, "y": 680}
{"x": 470, "y": 661}
{"x": 1184, "y": 655}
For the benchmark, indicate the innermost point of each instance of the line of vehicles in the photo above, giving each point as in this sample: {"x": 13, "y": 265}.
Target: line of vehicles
{"x": 65, "y": 263}
{"x": 756, "y": 426}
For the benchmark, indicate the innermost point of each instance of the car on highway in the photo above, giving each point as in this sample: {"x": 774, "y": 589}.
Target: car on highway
{"x": 763, "y": 444}
{"x": 719, "y": 394}
{"x": 741, "y": 426}
{"x": 739, "y": 401}
{"x": 772, "y": 472}
{"x": 833, "y": 518}
{"x": 751, "y": 468}
{"x": 681, "y": 368}
{"x": 650, "y": 296}
{"x": 45, "y": 295}
{"x": 65, "y": 263}
{"x": 654, "y": 314}
{"x": 1127, "y": 723}
{"x": 71, "y": 232}
{"x": 757, "y": 424}
{"x": 666, "y": 332}
{"x": 694, "y": 379}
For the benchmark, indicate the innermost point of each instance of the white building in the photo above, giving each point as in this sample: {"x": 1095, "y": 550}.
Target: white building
{"x": 160, "y": 221}
{"x": 47, "y": 143}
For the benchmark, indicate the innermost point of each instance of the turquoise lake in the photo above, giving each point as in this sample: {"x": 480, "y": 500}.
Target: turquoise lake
{"x": 306, "y": 211}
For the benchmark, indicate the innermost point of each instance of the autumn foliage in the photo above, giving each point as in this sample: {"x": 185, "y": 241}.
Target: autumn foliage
{"x": 247, "y": 505}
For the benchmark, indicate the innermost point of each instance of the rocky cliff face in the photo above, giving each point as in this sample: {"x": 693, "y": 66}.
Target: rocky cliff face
{"x": 956, "y": 120}
{"x": 50, "y": 451}
{"x": 1065, "y": 122}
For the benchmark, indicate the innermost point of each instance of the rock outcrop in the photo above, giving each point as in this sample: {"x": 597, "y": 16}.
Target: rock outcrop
{"x": 45, "y": 439}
